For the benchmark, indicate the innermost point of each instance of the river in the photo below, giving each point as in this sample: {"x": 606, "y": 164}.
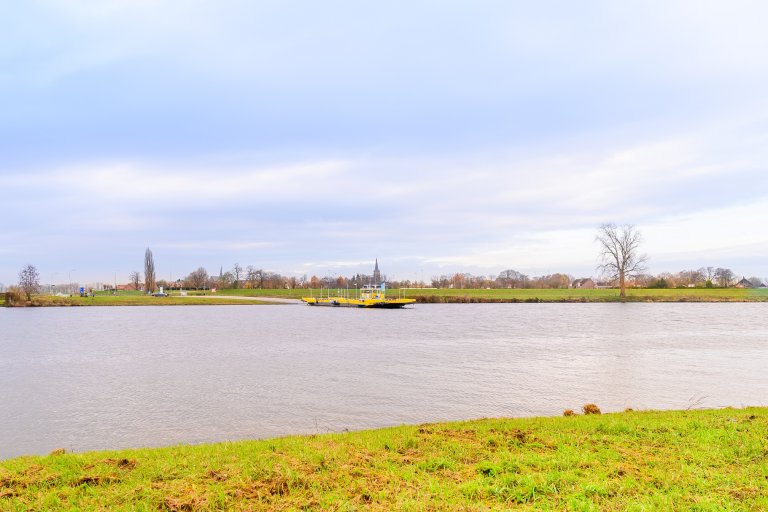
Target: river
{"x": 120, "y": 377}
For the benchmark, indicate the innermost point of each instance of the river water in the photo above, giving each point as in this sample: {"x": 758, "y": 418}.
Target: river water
{"x": 118, "y": 377}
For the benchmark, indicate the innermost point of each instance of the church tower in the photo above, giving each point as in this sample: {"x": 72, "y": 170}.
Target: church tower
{"x": 376, "y": 273}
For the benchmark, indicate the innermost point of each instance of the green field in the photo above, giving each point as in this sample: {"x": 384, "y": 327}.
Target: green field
{"x": 636, "y": 461}
{"x": 598, "y": 295}
{"x": 295, "y": 293}
{"x": 537, "y": 295}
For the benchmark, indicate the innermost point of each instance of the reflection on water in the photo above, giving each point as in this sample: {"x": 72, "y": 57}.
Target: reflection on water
{"x": 98, "y": 378}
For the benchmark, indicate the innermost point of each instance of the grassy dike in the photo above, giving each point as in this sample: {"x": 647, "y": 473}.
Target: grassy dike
{"x": 673, "y": 460}
{"x": 597, "y": 295}
{"x": 134, "y": 300}
{"x": 443, "y": 295}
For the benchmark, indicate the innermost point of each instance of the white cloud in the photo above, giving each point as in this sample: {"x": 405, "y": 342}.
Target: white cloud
{"x": 735, "y": 230}
{"x": 523, "y": 128}
{"x": 217, "y": 245}
{"x": 139, "y": 184}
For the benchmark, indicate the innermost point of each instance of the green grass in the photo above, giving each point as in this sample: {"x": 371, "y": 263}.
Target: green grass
{"x": 295, "y": 293}
{"x": 597, "y": 295}
{"x": 637, "y": 461}
{"x": 540, "y": 295}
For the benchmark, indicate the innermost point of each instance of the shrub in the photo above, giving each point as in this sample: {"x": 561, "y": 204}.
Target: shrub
{"x": 15, "y": 296}
{"x": 591, "y": 409}
{"x": 569, "y": 412}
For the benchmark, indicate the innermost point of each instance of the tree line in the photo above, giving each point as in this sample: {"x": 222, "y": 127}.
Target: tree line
{"x": 620, "y": 263}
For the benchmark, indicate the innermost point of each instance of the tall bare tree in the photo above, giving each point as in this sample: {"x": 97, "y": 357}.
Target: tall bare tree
{"x": 29, "y": 280}
{"x": 150, "y": 284}
{"x": 135, "y": 280}
{"x": 619, "y": 253}
{"x": 237, "y": 271}
{"x": 250, "y": 276}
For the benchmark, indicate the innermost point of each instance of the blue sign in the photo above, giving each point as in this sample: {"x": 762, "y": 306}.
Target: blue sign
{"x": 82, "y": 289}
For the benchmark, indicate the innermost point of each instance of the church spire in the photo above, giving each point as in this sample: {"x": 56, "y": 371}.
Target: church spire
{"x": 376, "y": 273}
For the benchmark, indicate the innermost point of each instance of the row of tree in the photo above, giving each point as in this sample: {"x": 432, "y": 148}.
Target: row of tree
{"x": 620, "y": 262}
{"x": 260, "y": 279}
{"x": 708, "y": 277}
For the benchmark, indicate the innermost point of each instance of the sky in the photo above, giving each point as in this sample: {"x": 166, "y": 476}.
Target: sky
{"x": 439, "y": 137}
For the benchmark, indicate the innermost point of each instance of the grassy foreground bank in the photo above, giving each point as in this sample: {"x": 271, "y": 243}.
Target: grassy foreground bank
{"x": 678, "y": 460}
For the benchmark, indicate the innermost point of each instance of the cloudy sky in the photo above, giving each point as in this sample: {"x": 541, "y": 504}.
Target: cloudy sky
{"x": 313, "y": 137}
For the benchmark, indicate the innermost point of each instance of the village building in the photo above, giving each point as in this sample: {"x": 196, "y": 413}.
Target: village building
{"x": 585, "y": 283}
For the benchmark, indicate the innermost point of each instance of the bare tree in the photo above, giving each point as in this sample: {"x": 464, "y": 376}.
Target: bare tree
{"x": 149, "y": 272}
{"x": 724, "y": 277}
{"x": 237, "y": 271}
{"x": 226, "y": 280}
{"x": 512, "y": 279}
{"x": 29, "y": 280}
{"x": 256, "y": 277}
{"x": 708, "y": 273}
{"x": 250, "y": 276}
{"x": 619, "y": 254}
{"x": 135, "y": 280}
{"x": 197, "y": 279}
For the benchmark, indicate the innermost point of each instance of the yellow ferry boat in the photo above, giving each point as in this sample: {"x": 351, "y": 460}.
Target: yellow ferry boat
{"x": 370, "y": 297}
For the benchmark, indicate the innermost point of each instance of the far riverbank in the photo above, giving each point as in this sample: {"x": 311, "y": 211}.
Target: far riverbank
{"x": 138, "y": 300}
{"x": 515, "y": 295}
{"x": 421, "y": 295}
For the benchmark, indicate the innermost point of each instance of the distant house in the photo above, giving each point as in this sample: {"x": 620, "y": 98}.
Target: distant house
{"x": 744, "y": 283}
{"x": 586, "y": 282}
